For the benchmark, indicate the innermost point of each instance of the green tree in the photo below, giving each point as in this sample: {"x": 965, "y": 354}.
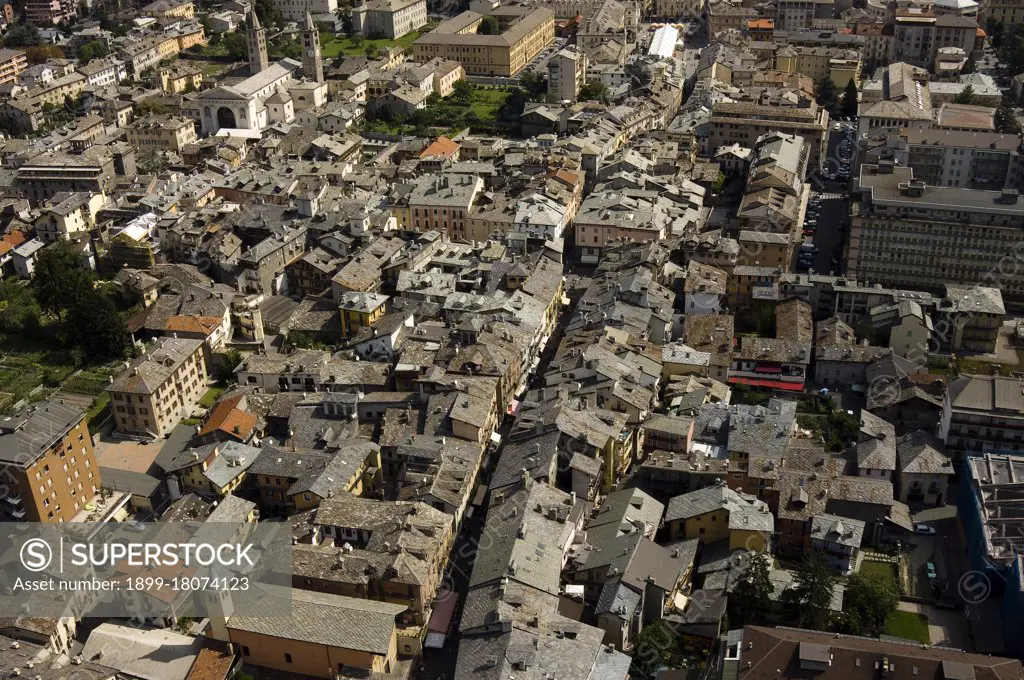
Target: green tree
{"x": 224, "y": 364}
{"x": 94, "y": 49}
{"x": 489, "y": 26}
{"x": 849, "y": 109}
{"x": 970, "y": 66}
{"x": 1011, "y": 49}
{"x": 533, "y": 84}
{"x": 462, "y": 92}
{"x": 1006, "y": 121}
{"x": 657, "y": 646}
{"x": 826, "y": 94}
{"x": 358, "y": 39}
{"x": 19, "y": 310}
{"x": 809, "y": 598}
{"x": 371, "y": 51}
{"x": 207, "y": 27}
{"x": 869, "y": 600}
{"x": 96, "y": 326}
{"x": 966, "y": 96}
{"x": 344, "y": 14}
{"x": 593, "y": 92}
{"x": 236, "y": 46}
{"x": 753, "y": 591}
{"x": 22, "y": 35}
{"x": 60, "y": 282}
{"x": 40, "y": 53}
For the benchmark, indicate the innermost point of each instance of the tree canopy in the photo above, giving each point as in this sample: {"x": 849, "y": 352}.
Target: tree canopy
{"x": 810, "y": 597}
{"x": 826, "y": 94}
{"x": 869, "y": 600}
{"x": 593, "y": 92}
{"x": 752, "y": 592}
{"x": 966, "y": 96}
{"x": 849, "y": 108}
{"x": 236, "y": 45}
{"x": 92, "y": 50}
{"x": 489, "y": 26}
{"x": 22, "y": 35}
{"x": 60, "y": 281}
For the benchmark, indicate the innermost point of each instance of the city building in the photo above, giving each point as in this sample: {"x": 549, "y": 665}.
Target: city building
{"x": 47, "y": 463}
{"x": 159, "y": 388}
{"x": 718, "y": 513}
{"x": 567, "y": 73}
{"x": 981, "y": 414}
{"x": 388, "y": 18}
{"x": 162, "y": 133}
{"x": 170, "y": 9}
{"x": 315, "y": 634}
{"x": 50, "y": 12}
{"x": 912, "y": 235}
{"x": 525, "y": 32}
{"x": 12, "y": 63}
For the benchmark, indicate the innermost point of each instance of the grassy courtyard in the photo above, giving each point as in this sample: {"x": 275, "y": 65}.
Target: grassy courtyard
{"x": 338, "y": 45}
{"x": 449, "y": 114}
{"x": 885, "y": 569}
{"x": 909, "y": 626}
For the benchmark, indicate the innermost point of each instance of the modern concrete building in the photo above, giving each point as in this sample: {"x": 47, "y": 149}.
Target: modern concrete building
{"x": 567, "y": 73}
{"x": 908, "y": 234}
{"x": 981, "y": 414}
{"x": 47, "y": 463}
{"x": 12, "y": 62}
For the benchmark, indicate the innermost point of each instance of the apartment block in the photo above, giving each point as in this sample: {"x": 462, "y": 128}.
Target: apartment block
{"x": 908, "y": 234}
{"x": 567, "y": 73}
{"x": 12, "y": 62}
{"x": 745, "y": 122}
{"x": 525, "y": 32}
{"x": 47, "y": 463}
{"x": 159, "y": 388}
{"x": 50, "y": 12}
{"x": 162, "y": 133}
{"x": 982, "y": 413}
{"x": 443, "y": 203}
{"x": 954, "y": 158}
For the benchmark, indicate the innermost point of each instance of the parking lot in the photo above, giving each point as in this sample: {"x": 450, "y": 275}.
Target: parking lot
{"x": 825, "y": 234}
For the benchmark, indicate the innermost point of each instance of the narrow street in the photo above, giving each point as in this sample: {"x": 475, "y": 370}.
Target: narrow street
{"x": 438, "y": 664}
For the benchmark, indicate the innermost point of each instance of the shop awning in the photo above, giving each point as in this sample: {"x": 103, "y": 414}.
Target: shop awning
{"x": 771, "y": 384}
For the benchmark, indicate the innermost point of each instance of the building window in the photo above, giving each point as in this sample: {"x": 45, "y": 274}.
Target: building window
{"x": 245, "y": 650}
{"x": 287, "y": 658}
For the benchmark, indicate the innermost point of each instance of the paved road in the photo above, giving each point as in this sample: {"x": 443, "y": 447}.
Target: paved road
{"x": 440, "y": 663}
{"x": 830, "y": 236}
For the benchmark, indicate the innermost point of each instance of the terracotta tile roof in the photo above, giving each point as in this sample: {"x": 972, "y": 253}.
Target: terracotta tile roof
{"x": 567, "y": 177}
{"x": 193, "y": 324}
{"x": 442, "y": 146}
{"x": 212, "y": 663}
{"x": 15, "y": 238}
{"x": 761, "y": 23}
{"x": 227, "y": 417}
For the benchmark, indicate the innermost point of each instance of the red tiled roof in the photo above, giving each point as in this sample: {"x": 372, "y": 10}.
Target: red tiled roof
{"x": 227, "y": 417}
{"x": 442, "y": 146}
{"x": 212, "y": 663}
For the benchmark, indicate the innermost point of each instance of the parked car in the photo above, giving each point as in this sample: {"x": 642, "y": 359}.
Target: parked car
{"x": 924, "y": 529}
